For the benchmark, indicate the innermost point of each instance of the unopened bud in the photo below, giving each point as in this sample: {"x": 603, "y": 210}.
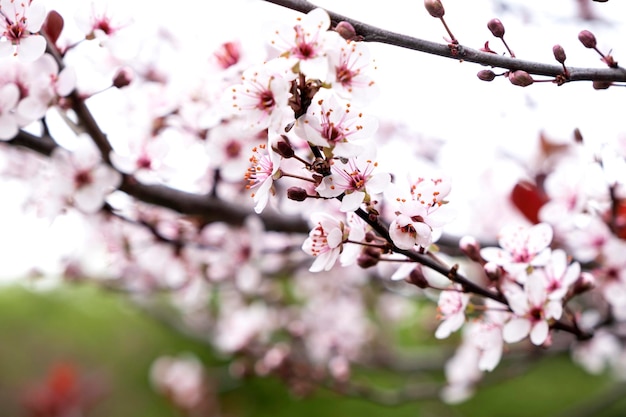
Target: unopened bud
{"x": 602, "y": 85}
{"x": 587, "y": 39}
{"x": 297, "y": 194}
{"x": 486, "y": 75}
{"x": 493, "y": 271}
{"x": 559, "y": 53}
{"x": 471, "y": 248}
{"x": 368, "y": 258}
{"x": 521, "y": 78}
{"x": 496, "y": 27}
{"x": 346, "y": 30}
{"x": 584, "y": 283}
{"x": 417, "y": 278}
{"x": 435, "y": 8}
{"x": 123, "y": 77}
{"x": 284, "y": 149}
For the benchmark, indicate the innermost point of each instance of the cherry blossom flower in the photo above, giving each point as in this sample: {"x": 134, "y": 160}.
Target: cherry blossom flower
{"x": 532, "y": 309}
{"x": 260, "y": 176}
{"x": 418, "y": 217}
{"x": 521, "y": 247}
{"x": 559, "y": 274}
{"x": 81, "y": 177}
{"x": 356, "y": 180}
{"x": 451, "y": 307}
{"x": 181, "y": 379}
{"x": 20, "y": 23}
{"x": 144, "y": 159}
{"x": 349, "y": 76}
{"x": 9, "y": 96}
{"x": 612, "y": 276}
{"x": 307, "y": 42}
{"x": 262, "y": 98}
{"x": 326, "y": 241}
{"x": 331, "y": 124}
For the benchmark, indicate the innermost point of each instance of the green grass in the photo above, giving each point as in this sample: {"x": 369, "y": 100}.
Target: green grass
{"x": 104, "y": 335}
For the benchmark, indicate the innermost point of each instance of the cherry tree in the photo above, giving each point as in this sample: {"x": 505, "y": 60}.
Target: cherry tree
{"x": 293, "y": 224}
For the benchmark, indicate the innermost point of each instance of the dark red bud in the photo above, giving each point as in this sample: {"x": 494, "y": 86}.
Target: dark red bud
{"x": 496, "y": 27}
{"x": 486, "y": 75}
{"x": 559, "y": 53}
{"x": 284, "y": 149}
{"x": 368, "y": 258}
{"x": 587, "y": 39}
{"x": 417, "y": 278}
{"x": 435, "y": 8}
{"x": 123, "y": 77}
{"x": 602, "y": 85}
{"x": 470, "y": 246}
{"x": 297, "y": 194}
{"x": 521, "y": 78}
{"x": 53, "y": 26}
{"x": 346, "y": 30}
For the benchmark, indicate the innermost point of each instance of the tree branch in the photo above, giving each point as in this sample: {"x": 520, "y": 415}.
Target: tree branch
{"x": 460, "y": 52}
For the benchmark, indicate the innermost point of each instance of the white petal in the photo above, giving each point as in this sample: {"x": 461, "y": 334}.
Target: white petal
{"x": 515, "y": 330}
{"x": 539, "y": 333}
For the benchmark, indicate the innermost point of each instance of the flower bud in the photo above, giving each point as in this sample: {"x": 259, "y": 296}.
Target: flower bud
{"x": 601, "y": 85}
{"x": 123, "y": 77}
{"x": 521, "y": 78}
{"x": 368, "y": 258}
{"x": 486, "y": 75}
{"x": 435, "y": 8}
{"x": 297, "y": 194}
{"x": 559, "y": 53}
{"x": 496, "y": 27}
{"x": 587, "y": 39}
{"x": 284, "y": 149}
{"x": 493, "y": 271}
{"x": 584, "y": 283}
{"x": 471, "y": 248}
{"x": 346, "y": 30}
{"x": 417, "y": 278}
{"x": 53, "y": 26}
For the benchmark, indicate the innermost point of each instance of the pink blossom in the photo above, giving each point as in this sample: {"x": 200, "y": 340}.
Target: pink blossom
{"x": 332, "y": 124}
{"x": 349, "y": 77}
{"x": 532, "y": 310}
{"x": 9, "y": 96}
{"x": 81, "y": 178}
{"x": 356, "y": 180}
{"x": 19, "y": 25}
{"x": 180, "y": 378}
{"x": 521, "y": 247}
{"x": 421, "y": 215}
{"x": 559, "y": 274}
{"x": 451, "y": 307}
{"x": 260, "y": 176}
{"x": 262, "y": 97}
{"x": 307, "y": 42}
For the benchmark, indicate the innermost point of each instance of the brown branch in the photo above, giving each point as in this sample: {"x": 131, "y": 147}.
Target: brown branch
{"x": 460, "y": 52}
{"x": 209, "y": 208}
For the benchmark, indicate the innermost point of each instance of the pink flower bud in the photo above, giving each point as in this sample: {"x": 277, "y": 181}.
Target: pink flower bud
{"x": 496, "y": 27}
{"x": 417, "y": 278}
{"x": 435, "y": 8}
{"x": 284, "y": 149}
{"x": 297, "y": 194}
{"x": 584, "y": 283}
{"x": 471, "y": 248}
{"x": 587, "y": 39}
{"x": 53, "y": 26}
{"x": 601, "y": 85}
{"x": 486, "y": 75}
{"x": 494, "y": 271}
{"x": 346, "y": 30}
{"x": 559, "y": 53}
{"x": 521, "y": 78}
{"x": 368, "y": 258}
{"x": 123, "y": 77}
